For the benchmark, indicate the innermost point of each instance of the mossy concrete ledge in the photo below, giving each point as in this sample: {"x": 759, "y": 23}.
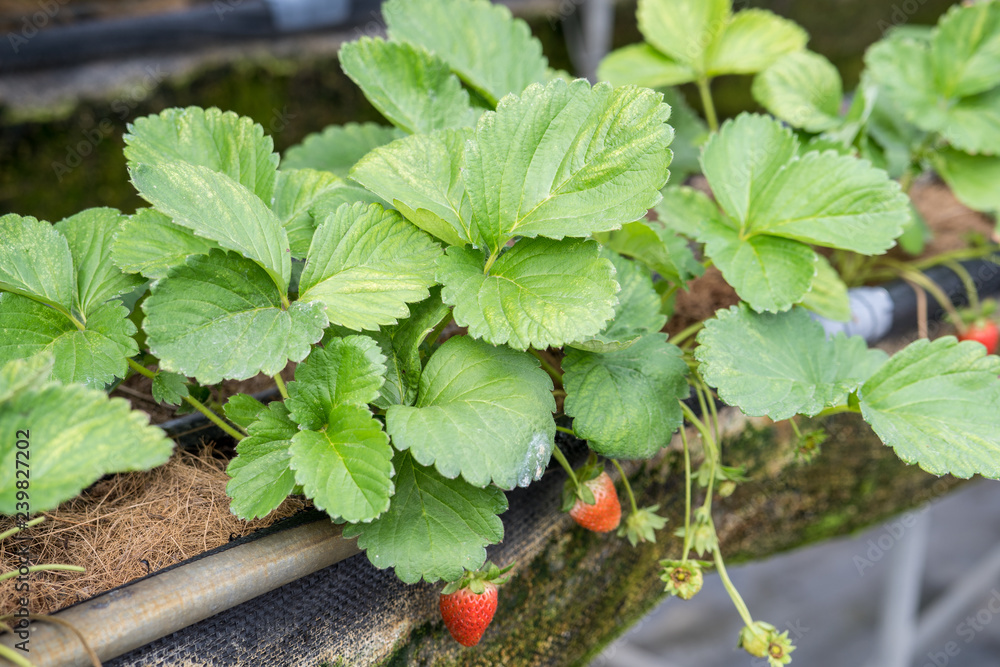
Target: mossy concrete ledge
{"x": 574, "y": 591}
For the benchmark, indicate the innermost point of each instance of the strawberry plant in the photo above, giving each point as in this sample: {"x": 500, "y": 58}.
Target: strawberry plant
{"x": 511, "y": 204}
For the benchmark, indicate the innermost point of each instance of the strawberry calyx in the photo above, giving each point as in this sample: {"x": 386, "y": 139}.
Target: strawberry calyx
{"x": 476, "y": 580}
{"x": 576, "y": 487}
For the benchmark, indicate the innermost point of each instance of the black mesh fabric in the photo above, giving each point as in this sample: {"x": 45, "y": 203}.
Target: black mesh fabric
{"x": 349, "y": 611}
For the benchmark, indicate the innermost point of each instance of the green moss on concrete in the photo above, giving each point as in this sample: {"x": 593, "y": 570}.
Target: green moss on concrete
{"x": 582, "y": 590}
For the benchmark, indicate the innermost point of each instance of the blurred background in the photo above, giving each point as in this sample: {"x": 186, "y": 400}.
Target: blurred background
{"x": 74, "y": 73}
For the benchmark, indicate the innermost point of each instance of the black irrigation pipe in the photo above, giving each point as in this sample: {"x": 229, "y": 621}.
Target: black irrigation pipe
{"x": 891, "y": 309}
{"x": 304, "y": 566}
{"x": 34, "y": 44}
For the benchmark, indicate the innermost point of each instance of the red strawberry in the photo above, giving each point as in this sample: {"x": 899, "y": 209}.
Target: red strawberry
{"x": 605, "y": 513}
{"x": 984, "y": 332}
{"x": 467, "y": 605}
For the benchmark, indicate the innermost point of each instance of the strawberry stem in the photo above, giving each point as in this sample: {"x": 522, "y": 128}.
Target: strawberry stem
{"x": 557, "y": 453}
{"x": 282, "y": 389}
{"x": 628, "y": 487}
{"x": 554, "y": 373}
{"x": 734, "y": 594}
{"x": 687, "y": 494}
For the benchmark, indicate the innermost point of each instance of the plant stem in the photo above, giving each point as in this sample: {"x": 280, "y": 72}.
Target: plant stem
{"x": 13, "y": 531}
{"x": 282, "y": 389}
{"x": 193, "y": 402}
{"x": 734, "y": 595}
{"x": 489, "y": 262}
{"x": 687, "y": 494}
{"x": 567, "y": 431}
{"x": 795, "y": 428}
{"x": 557, "y": 377}
{"x": 42, "y": 568}
{"x": 628, "y": 487}
{"x": 705, "y": 90}
{"x": 837, "y": 409}
{"x": 14, "y": 657}
{"x": 214, "y": 418}
{"x": 436, "y": 332}
{"x": 698, "y": 424}
{"x": 967, "y": 281}
{"x": 557, "y": 453}
{"x": 929, "y": 285}
{"x": 687, "y": 333}
{"x": 140, "y": 369}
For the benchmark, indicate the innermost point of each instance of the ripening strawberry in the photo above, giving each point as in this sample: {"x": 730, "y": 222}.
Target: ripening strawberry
{"x": 986, "y": 333}
{"x": 468, "y": 605}
{"x": 606, "y": 512}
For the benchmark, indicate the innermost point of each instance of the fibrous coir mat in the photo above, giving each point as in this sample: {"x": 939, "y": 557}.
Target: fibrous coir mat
{"x": 129, "y": 525}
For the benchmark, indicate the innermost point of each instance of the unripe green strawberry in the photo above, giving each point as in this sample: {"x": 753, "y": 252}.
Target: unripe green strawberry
{"x": 468, "y": 605}
{"x": 605, "y": 513}
{"x": 762, "y": 640}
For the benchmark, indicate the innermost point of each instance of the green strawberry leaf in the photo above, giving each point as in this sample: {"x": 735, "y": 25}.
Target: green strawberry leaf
{"x": 412, "y": 88}
{"x": 149, "y": 243}
{"x": 484, "y": 45}
{"x": 365, "y": 264}
{"x": 243, "y": 409}
{"x": 778, "y": 202}
{"x": 803, "y": 89}
{"x": 346, "y": 469}
{"x": 690, "y": 134}
{"x": 567, "y": 160}
{"x": 707, "y": 39}
{"x": 972, "y": 178}
{"x": 751, "y": 41}
{"x": 683, "y": 29}
{"x": 435, "y": 528}
{"x": 422, "y": 177}
{"x": 743, "y": 158}
{"x": 835, "y": 201}
{"x": 261, "y": 476}
{"x": 35, "y": 261}
{"x": 220, "y": 141}
{"x": 400, "y": 343}
{"x": 19, "y": 375}
{"x": 94, "y": 356}
{"x": 346, "y": 371}
{"x": 296, "y": 192}
{"x": 538, "y": 293}
{"x": 77, "y": 436}
{"x": 216, "y": 207}
{"x": 90, "y": 234}
{"x": 482, "y": 412}
{"x": 770, "y": 273}
{"x": 637, "y": 312}
{"x": 656, "y": 246}
{"x": 169, "y": 388}
{"x": 828, "y": 294}
{"x": 625, "y": 402}
{"x": 642, "y": 65}
{"x": 339, "y": 147}
{"x": 935, "y": 403}
{"x": 219, "y": 316}
{"x": 907, "y": 71}
{"x": 781, "y": 365}
{"x": 965, "y": 50}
